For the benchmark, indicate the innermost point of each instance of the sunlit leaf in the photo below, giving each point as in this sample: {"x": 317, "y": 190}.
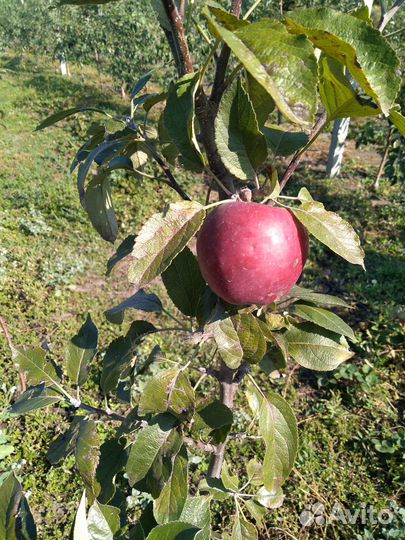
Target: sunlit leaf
{"x": 176, "y": 530}
{"x": 278, "y": 427}
{"x": 241, "y": 146}
{"x": 316, "y": 348}
{"x": 86, "y": 450}
{"x": 338, "y": 94}
{"x": 34, "y": 398}
{"x": 330, "y": 229}
{"x": 323, "y": 317}
{"x": 162, "y": 238}
{"x": 179, "y": 119}
{"x": 147, "y": 445}
{"x": 168, "y": 390}
{"x": 170, "y": 503}
{"x": 285, "y": 67}
{"x": 35, "y": 365}
{"x": 196, "y": 511}
{"x": 351, "y": 41}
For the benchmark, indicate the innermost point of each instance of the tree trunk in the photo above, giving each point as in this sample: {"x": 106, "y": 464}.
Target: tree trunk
{"x": 337, "y": 147}
{"x": 341, "y": 127}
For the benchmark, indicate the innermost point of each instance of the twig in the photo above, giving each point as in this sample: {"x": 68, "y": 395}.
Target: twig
{"x": 320, "y": 124}
{"x": 227, "y": 393}
{"x": 205, "y": 447}
{"x": 394, "y": 33}
{"x": 101, "y": 412}
{"x": 184, "y": 62}
{"x": 381, "y": 168}
{"x": 386, "y": 16}
{"x": 218, "y": 87}
{"x": 23, "y": 382}
{"x": 183, "y": 5}
{"x": 218, "y": 181}
{"x": 172, "y": 182}
{"x": 251, "y": 9}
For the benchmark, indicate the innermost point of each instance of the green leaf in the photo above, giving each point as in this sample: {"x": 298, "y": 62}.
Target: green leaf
{"x": 141, "y": 83}
{"x": 99, "y": 154}
{"x": 176, "y": 530}
{"x": 257, "y": 511}
{"x": 99, "y": 207}
{"x": 179, "y": 119}
{"x": 284, "y": 65}
{"x": 170, "y": 503}
{"x": 216, "y": 415}
{"x": 147, "y": 445}
{"x": 162, "y": 238}
{"x": 120, "y": 352}
{"x": 308, "y": 295}
{"x": 398, "y": 120}
{"x": 330, "y": 229}
{"x": 230, "y": 481}
{"x": 113, "y": 458}
{"x": 117, "y": 357}
{"x": 61, "y": 115}
{"x": 215, "y": 487}
{"x": 169, "y": 390}
{"x": 242, "y": 529}
{"x": 34, "y": 364}
{"x": 351, "y": 41}
{"x": 34, "y": 398}
{"x": 64, "y": 443}
{"x": 81, "y": 351}
{"x": 284, "y": 143}
{"x": 103, "y": 521}
{"x": 315, "y": 348}
{"x": 123, "y": 250}
{"x": 6, "y": 450}
{"x": 10, "y": 496}
{"x": 263, "y": 103}
{"x": 184, "y": 282}
{"x": 338, "y": 95}
{"x": 324, "y": 318}
{"x": 196, "y": 511}
{"x": 251, "y": 338}
{"x": 141, "y": 300}
{"x": 278, "y": 427}
{"x": 26, "y": 528}
{"x": 80, "y": 530}
{"x": 86, "y": 448}
{"x": 241, "y": 146}
{"x": 254, "y": 471}
{"x": 270, "y": 499}
{"x": 227, "y": 341}
{"x": 84, "y": 2}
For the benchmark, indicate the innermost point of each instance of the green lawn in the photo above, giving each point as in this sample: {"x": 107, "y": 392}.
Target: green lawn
{"x": 52, "y": 268}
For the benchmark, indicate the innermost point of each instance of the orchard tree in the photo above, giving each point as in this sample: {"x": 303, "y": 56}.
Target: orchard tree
{"x": 243, "y": 311}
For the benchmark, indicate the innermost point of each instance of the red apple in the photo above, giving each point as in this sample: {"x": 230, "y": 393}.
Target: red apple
{"x": 251, "y": 253}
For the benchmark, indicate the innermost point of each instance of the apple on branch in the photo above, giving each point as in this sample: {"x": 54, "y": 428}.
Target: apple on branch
{"x": 251, "y": 253}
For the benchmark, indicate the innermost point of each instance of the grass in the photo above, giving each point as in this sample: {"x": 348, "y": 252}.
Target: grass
{"x": 52, "y": 269}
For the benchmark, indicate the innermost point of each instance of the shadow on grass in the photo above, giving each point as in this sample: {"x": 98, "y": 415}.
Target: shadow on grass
{"x": 52, "y": 88}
